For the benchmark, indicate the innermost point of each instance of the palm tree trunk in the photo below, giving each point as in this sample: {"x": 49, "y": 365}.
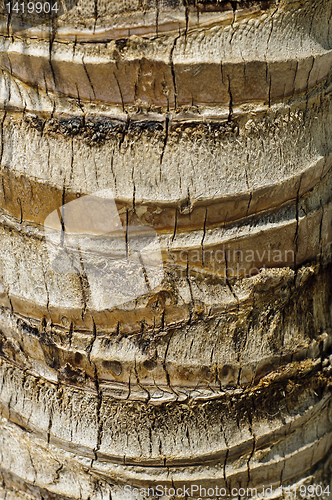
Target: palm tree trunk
{"x": 166, "y": 236}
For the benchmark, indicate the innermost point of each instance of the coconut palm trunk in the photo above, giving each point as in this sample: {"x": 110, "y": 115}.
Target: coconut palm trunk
{"x": 166, "y": 237}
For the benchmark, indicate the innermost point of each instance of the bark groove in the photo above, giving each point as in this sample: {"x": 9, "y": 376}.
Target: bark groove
{"x": 200, "y": 131}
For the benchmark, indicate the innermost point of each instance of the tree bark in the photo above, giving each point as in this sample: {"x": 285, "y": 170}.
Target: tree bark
{"x": 166, "y": 236}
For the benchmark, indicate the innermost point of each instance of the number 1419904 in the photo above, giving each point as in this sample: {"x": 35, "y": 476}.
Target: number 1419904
{"x": 32, "y": 8}
{"x": 306, "y": 491}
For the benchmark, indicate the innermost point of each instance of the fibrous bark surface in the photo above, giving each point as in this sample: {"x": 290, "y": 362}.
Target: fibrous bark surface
{"x": 166, "y": 234}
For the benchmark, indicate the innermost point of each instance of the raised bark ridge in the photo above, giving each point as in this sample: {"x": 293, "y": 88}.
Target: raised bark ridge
{"x": 210, "y": 123}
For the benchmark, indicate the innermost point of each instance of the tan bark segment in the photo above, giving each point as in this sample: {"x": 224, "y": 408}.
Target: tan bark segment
{"x": 207, "y": 124}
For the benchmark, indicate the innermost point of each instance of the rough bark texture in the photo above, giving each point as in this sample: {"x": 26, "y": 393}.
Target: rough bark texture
{"x": 210, "y": 122}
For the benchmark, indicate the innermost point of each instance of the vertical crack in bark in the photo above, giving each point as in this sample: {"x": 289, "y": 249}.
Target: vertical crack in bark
{"x": 51, "y": 42}
{"x": 134, "y": 187}
{"x": 249, "y": 202}
{"x": 57, "y": 472}
{"x": 84, "y": 284}
{"x": 230, "y": 106}
{"x": 222, "y": 73}
{"x": 112, "y": 170}
{"x": 162, "y": 321}
{"x": 309, "y": 73}
{"x": 295, "y": 74}
{"x": 49, "y": 428}
{"x": 95, "y": 13}
{"x": 61, "y": 215}
{"x": 21, "y": 211}
{"x": 186, "y": 14}
{"x": 71, "y": 161}
{"x": 271, "y": 31}
{"x": 267, "y": 76}
{"x": 227, "y": 280}
{"x": 33, "y": 466}
{"x": 9, "y": 18}
{"x": 248, "y": 187}
{"x": 175, "y": 224}
{"x": 46, "y": 288}
{"x": 254, "y": 444}
{"x": 93, "y": 340}
{"x": 320, "y": 233}
{"x": 168, "y": 380}
{"x": 145, "y": 274}
{"x": 173, "y": 70}
{"x": 2, "y": 146}
{"x": 139, "y": 72}
{"x": 203, "y": 237}
{"x": 296, "y": 242}
{"x": 120, "y": 92}
{"x": 227, "y": 377}
{"x": 9, "y": 81}
{"x": 125, "y": 131}
{"x": 164, "y": 144}
{"x": 70, "y": 334}
{"x": 283, "y": 467}
{"x": 88, "y": 76}
{"x": 23, "y": 102}
{"x": 98, "y": 415}
{"x": 226, "y": 454}
{"x": 157, "y": 17}
{"x": 234, "y": 7}
{"x": 127, "y": 235}
{"x": 139, "y": 383}
{"x": 270, "y": 90}
{"x": 190, "y": 289}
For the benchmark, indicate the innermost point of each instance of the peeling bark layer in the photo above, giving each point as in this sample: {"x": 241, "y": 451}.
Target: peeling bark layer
{"x": 210, "y": 123}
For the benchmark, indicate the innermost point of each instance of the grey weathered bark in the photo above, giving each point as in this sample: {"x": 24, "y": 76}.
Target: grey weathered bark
{"x": 210, "y": 122}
